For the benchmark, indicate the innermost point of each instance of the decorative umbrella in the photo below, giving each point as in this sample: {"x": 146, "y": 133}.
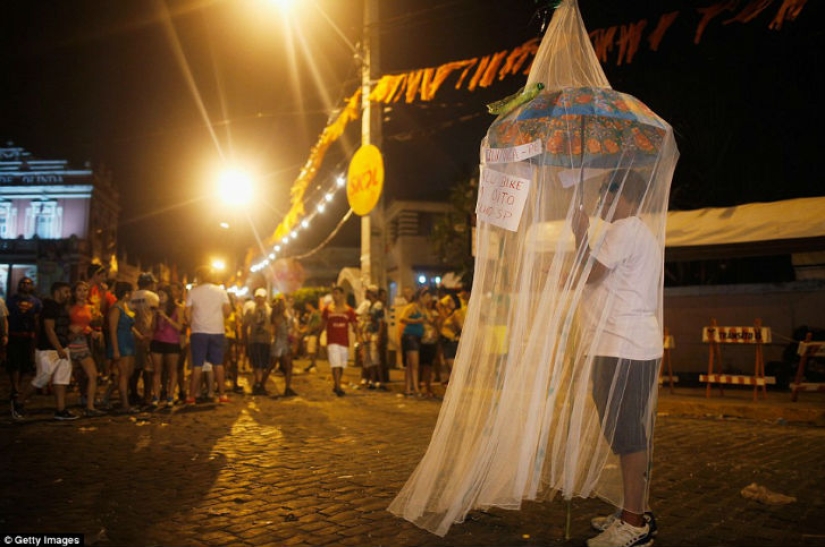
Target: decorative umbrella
{"x": 583, "y": 127}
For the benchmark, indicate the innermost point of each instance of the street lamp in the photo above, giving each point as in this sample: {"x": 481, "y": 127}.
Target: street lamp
{"x": 235, "y": 187}
{"x": 234, "y": 191}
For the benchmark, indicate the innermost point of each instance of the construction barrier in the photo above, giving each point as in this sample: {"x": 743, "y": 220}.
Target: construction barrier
{"x": 806, "y": 350}
{"x": 669, "y": 344}
{"x": 756, "y": 335}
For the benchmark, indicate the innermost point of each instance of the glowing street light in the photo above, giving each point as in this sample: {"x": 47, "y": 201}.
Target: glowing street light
{"x": 285, "y": 5}
{"x": 235, "y": 187}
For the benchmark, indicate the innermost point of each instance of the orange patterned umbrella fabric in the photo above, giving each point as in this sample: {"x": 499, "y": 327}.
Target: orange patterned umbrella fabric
{"x": 583, "y": 127}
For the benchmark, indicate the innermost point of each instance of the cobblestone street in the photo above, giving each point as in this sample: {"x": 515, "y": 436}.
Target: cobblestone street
{"x": 320, "y": 470}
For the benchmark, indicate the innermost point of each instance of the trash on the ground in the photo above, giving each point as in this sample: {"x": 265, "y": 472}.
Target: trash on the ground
{"x": 761, "y": 494}
{"x": 101, "y": 537}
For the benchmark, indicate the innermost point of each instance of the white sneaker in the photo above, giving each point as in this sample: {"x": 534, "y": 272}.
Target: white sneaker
{"x": 600, "y": 524}
{"x": 622, "y": 534}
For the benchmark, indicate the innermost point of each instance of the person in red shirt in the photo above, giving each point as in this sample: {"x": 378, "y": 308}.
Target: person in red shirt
{"x": 336, "y": 320}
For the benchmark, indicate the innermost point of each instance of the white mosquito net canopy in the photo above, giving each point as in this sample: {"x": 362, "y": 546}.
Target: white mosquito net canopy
{"x": 520, "y": 419}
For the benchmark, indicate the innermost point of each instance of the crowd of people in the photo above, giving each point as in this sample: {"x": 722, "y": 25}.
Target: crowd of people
{"x": 124, "y": 348}
{"x": 132, "y": 342}
{"x": 431, "y": 326}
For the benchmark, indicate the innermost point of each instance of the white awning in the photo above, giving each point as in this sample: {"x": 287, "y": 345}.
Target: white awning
{"x": 753, "y": 229}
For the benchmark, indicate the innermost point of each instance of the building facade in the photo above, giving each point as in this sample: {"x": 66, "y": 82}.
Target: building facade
{"x": 410, "y": 259}
{"x": 54, "y": 219}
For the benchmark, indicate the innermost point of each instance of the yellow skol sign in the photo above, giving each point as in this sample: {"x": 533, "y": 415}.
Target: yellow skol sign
{"x": 365, "y": 179}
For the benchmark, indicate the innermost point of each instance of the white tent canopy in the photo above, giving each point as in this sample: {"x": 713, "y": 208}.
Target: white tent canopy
{"x": 753, "y": 229}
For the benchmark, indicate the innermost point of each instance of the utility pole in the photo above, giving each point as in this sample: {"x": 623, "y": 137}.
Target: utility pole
{"x": 373, "y": 266}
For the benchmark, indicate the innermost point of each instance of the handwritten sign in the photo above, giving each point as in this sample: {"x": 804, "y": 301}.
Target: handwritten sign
{"x": 501, "y": 198}
{"x": 512, "y": 154}
{"x": 736, "y": 335}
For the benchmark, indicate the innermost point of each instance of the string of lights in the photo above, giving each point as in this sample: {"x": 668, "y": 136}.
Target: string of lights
{"x": 280, "y": 248}
{"x": 327, "y": 196}
{"x": 326, "y": 240}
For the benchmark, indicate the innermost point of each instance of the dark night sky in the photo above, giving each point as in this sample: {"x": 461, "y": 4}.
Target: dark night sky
{"x": 163, "y": 93}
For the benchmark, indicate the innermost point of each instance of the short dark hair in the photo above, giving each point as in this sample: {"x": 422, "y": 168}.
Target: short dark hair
{"x": 631, "y": 184}
{"x": 338, "y": 288}
{"x": 145, "y": 280}
{"x": 204, "y": 274}
{"x": 57, "y": 285}
{"x": 94, "y": 269}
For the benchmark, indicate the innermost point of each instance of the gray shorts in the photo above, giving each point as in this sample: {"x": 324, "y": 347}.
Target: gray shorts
{"x": 621, "y": 391}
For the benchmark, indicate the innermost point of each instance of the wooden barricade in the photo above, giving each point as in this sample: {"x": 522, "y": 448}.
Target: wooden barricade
{"x": 806, "y": 350}
{"x": 715, "y": 335}
{"x": 669, "y": 344}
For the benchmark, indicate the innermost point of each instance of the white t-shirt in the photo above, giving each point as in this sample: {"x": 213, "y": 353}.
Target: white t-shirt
{"x": 144, "y": 303}
{"x": 363, "y": 313}
{"x": 628, "y": 296}
{"x": 206, "y": 302}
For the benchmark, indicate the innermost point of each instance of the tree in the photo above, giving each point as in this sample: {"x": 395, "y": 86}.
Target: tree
{"x": 309, "y": 294}
{"x": 452, "y": 233}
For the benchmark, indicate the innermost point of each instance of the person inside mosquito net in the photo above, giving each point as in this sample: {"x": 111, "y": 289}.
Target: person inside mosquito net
{"x": 620, "y": 303}
{"x": 552, "y": 391}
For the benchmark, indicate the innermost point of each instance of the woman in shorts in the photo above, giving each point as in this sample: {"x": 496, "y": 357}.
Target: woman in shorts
{"x": 122, "y": 347}
{"x": 80, "y": 332}
{"x": 165, "y": 346}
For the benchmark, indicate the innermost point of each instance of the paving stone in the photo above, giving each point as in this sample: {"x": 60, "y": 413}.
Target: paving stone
{"x": 321, "y": 470}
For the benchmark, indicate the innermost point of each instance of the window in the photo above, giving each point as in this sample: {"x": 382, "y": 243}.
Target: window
{"x": 8, "y": 215}
{"x": 43, "y": 226}
{"x": 43, "y": 219}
